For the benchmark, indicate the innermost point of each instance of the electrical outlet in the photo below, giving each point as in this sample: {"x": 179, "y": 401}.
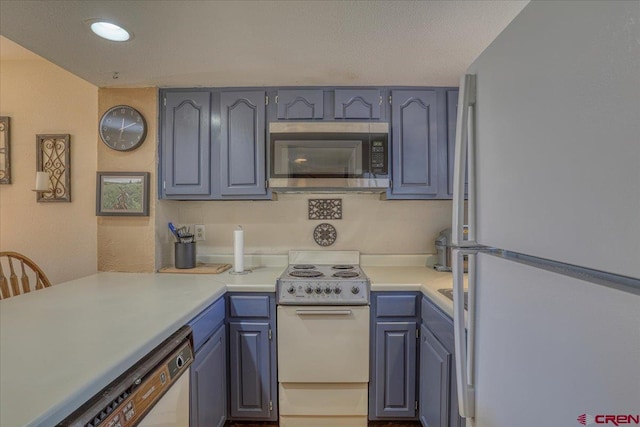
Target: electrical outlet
{"x": 199, "y": 231}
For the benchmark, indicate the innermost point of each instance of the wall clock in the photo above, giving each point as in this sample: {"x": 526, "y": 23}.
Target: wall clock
{"x": 123, "y": 128}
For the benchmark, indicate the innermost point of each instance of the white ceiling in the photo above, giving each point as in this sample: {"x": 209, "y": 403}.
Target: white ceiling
{"x": 258, "y": 43}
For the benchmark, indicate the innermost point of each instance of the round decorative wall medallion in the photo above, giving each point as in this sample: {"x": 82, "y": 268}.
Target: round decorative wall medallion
{"x": 325, "y": 234}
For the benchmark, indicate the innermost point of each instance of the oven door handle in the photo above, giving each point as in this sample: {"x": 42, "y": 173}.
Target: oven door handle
{"x": 323, "y": 312}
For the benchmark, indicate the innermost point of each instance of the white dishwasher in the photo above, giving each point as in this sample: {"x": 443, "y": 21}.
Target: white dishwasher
{"x": 152, "y": 393}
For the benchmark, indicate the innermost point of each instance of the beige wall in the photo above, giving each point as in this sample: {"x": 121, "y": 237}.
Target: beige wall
{"x": 370, "y": 225}
{"x": 68, "y": 240}
{"x": 43, "y": 98}
{"x": 128, "y": 243}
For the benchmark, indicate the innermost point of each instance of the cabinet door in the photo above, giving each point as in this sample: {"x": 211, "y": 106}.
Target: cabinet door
{"x": 209, "y": 383}
{"x": 414, "y": 143}
{"x": 186, "y": 143}
{"x": 250, "y": 370}
{"x": 358, "y": 104}
{"x": 395, "y": 389}
{"x": 300, "y": 104}
{"x": 452, "y": 114}
{"x": 435, "y": 367}
{"x": 242, "y": 143}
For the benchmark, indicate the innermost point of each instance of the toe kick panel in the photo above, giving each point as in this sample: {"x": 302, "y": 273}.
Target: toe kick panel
{"x": 317, "y": 399}
{"x": 293, "y": 421}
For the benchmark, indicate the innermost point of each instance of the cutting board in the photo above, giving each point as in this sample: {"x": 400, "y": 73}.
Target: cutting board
{"x": 200, "y": 268}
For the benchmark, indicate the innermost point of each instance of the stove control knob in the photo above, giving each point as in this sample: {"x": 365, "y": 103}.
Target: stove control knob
{"x": 355, "y": 290}
{"x": 309, "y": 289}
{"x": 337, "y": 289}
{"x": 291, "y": 289}
{"x": 318, "y": 289}
{"x": 327, "y": 290}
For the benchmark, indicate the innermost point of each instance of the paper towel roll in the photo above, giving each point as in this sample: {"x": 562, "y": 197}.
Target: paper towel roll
{"x": 238, "y": 250}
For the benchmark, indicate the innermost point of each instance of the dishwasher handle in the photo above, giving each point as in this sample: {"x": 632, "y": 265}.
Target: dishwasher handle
{"x": 323, "y": 312}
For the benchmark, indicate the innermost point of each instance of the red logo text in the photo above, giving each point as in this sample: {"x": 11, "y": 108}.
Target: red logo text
{"x": 616, "y": 420}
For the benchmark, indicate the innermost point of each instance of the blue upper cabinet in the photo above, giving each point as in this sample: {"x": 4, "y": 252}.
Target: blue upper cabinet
{"x": 414, "y": 137}
{"x": 242, "y": 143}
{"x": 452, "y": 114}
{"x": 363, "y": 104}
{"x": 186, "y": 144}
{"x": 299, "y": 104}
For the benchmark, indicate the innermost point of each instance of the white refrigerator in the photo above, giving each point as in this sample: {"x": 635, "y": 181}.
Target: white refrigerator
{"x": 549, "y": 134}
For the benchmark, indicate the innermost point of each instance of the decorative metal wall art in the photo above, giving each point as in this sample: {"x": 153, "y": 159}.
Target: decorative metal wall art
{"x": 325, "y": 208}
{"x": 54, "y": 156}
{"x": 5, "y": 151}
{"x": 325, "y": 234}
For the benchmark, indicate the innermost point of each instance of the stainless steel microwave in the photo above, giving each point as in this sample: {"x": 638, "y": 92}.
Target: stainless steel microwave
{"x": 329, "y": 156}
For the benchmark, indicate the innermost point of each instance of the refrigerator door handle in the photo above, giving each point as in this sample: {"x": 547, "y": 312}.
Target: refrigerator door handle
{"x": 464, "y": 338}
{"x": 463, "y": 155}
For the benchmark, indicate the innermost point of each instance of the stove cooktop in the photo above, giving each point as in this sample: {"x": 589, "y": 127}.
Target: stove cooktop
{"x": 320, "y": 284}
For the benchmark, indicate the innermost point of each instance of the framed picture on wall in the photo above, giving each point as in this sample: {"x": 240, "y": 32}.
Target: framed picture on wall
{"x": 122, "y": 194}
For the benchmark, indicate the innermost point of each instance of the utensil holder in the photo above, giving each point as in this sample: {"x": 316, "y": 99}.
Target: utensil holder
{"x": 185, "y": 255}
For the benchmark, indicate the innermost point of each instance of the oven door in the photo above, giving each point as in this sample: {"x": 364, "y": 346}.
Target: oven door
{"x": 323, "y": 344}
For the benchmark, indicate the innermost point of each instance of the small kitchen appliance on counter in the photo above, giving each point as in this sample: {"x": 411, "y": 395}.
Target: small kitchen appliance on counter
{"x": 443, "y": 250}
{"x": 323, "y": 339}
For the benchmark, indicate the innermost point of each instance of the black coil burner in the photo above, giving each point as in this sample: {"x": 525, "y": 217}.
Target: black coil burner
{"x": 305, "y": 273}
{"x": 342, "y": 267}
{"x": 346, "y": 274}
{"x": 304, "y": 267}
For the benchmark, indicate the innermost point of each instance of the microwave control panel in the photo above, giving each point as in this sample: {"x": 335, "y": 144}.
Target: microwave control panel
{"x": 378, "y": 157}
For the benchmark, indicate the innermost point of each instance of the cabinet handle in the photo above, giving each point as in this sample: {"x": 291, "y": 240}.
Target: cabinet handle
{"x": 323, "y": 312}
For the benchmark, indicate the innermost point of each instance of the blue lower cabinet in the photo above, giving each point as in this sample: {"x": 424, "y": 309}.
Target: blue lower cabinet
{"x": 395, "y": 387}
{"x": 209, "y": 382}
{"x": 435, "y": 366}
{"x": 209, "y": 369}
{"x": 438, "y": 389}
{"x": 250, "y": 360}
{"x": 252, "y": 357}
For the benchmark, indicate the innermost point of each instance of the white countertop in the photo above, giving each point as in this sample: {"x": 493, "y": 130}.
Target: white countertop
{"x": 412, "y": 278}
{"x": 61, "y": 345}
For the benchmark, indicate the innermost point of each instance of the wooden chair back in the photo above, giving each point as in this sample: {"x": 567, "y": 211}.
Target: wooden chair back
{"x": 18, "y": 273}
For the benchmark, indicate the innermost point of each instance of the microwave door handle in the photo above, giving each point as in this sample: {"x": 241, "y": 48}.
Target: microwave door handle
{"x": 462, "y": 156}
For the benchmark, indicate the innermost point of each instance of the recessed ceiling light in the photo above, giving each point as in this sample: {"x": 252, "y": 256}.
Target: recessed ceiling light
{"x": 110, "y": 31}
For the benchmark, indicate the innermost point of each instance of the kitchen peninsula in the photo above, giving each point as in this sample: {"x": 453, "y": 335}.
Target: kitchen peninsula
{"x": 88, "y": 331}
